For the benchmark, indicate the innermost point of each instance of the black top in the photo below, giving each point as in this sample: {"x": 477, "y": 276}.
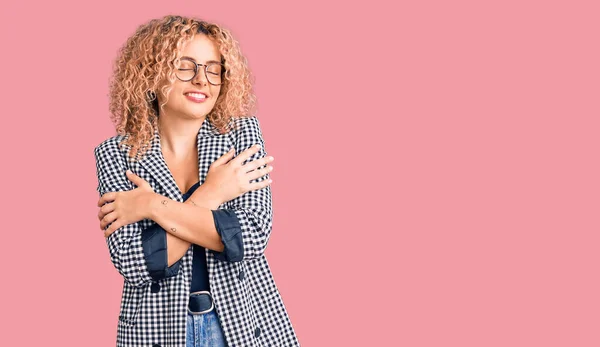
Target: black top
{"x": 199, "y": 270}
{"x": 154, "y": 245}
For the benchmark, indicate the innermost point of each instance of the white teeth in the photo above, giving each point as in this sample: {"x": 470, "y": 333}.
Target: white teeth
{"x": 197, "y": 95}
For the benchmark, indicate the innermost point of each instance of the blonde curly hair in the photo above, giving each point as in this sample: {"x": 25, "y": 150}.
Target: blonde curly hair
{"x": 146, "y": 64}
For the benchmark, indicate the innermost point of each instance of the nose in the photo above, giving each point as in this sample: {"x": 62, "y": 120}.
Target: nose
{"x": 200, "y": 77}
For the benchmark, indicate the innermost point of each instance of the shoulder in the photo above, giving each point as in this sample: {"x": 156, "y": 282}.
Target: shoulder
{"x": 109, "y": 147}
{"x": 247, "y": 127}
{"x": 247, "y": 121}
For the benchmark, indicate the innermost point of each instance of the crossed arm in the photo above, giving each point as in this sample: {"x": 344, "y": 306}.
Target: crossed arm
{"x": 239, "y": 232}
{"x": 186, "y": 223}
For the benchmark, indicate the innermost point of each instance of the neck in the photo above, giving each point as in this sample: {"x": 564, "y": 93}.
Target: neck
{"x": 178, "y": 136}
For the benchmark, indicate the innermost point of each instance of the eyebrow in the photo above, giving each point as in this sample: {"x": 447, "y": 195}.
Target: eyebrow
{"x": 206, "y": 62}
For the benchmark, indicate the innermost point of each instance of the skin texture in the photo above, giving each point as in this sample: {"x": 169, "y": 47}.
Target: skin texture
{"x": 191, "y": 221}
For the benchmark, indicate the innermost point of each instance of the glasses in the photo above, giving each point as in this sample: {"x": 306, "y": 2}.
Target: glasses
{"x": 188, "y": 69}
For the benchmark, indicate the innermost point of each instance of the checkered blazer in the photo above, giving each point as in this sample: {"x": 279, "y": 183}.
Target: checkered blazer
{"x": 247, "y": 301}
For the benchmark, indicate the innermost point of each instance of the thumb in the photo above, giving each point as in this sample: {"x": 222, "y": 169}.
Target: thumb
{"x": 134, "y": 178}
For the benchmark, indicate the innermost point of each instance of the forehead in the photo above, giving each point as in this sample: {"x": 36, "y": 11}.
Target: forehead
{"x": 201, "y": 49}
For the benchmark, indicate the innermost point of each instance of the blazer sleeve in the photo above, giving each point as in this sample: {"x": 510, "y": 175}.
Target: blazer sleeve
{"x": 139, "y": 255}
{"x": 245, "y": 223}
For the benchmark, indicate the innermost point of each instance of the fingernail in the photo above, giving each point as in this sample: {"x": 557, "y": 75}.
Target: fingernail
{"x": 128, "y": 170}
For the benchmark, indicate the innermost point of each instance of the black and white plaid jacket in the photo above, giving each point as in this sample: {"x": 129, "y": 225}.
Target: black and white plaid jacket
{"x": 155, "y": 296}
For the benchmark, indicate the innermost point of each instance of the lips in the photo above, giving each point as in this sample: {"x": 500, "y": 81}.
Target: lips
{"x": 197, "y": 97}
{"x": 195, "y": 92}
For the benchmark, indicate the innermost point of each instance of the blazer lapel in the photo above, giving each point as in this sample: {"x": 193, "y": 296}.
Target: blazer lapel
{"x": 154, "y": 162}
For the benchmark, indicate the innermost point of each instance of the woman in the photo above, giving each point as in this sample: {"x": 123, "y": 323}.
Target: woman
{"x": 185, "y": 193}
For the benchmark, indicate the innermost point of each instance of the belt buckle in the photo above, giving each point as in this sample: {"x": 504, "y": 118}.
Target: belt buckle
{"x": 212, "y": 303}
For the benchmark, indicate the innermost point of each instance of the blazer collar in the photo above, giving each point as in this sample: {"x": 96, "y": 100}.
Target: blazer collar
{"x": 154, "y": 162}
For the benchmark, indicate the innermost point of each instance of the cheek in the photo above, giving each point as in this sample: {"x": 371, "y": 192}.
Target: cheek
{"x": 214, "y": 100}
{"x": 217, "y": 92}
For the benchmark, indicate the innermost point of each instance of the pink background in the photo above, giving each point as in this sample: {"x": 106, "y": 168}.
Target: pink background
{"x": 436, "y": 175}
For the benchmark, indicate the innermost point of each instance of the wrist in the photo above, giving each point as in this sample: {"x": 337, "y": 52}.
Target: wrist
{"x": 154, "y": 200}
{"x": 205, "y": 197}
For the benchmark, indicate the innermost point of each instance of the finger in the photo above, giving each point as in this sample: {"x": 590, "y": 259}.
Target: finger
{"x": 104, "y": 221}
{"x": 259, "y": 173}
{"x": 260, "y": 185}
{"x": 254, "y": 164}
{"x": 105, "y": 210}
{"x": 110, "y": 196}
{"x": 137, "y": 180}
{"x": 113, "y": 227}
{"x": 107, "y": 219}
{"x": 225, "y": 157}
{"x": 108, "y": 231}
{"x": 237, "y": 161}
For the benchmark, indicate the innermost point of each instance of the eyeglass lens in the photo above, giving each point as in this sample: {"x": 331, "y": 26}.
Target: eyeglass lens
{"x": 187, "y": 71}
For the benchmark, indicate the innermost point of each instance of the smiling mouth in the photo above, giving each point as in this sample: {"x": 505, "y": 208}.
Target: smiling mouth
{"x": 196, "y": 97}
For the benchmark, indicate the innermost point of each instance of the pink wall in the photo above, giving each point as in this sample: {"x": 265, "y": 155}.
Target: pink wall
{"x": 436, "y": 175}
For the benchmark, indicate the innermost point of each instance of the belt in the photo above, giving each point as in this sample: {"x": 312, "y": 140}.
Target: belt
{"x": 200, "y": 302}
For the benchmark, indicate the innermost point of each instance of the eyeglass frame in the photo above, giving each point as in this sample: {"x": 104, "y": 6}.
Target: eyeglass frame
{"x": 197, "y": 68}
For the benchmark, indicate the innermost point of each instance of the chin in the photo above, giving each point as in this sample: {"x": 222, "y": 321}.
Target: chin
{"x": 199, "y": 114}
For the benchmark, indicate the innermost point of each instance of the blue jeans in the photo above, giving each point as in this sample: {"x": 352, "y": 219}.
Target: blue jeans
{"x": 204, "y": 330}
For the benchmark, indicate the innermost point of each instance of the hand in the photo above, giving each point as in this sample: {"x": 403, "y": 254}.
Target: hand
{"x": 229, "y": 179}
{"x": 125, "y": 207}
